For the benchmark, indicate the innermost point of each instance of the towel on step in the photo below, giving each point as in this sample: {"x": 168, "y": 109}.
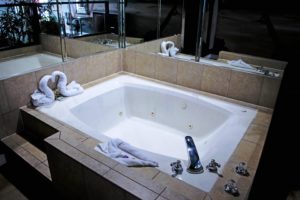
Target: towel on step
{"x": 240, "y": 63}
{"x": 125, "y": 153}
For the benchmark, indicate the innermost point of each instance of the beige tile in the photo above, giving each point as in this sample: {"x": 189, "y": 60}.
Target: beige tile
{"x": 189, "y": 74}
{"x": 269, "y": 92}
{"x": 113, "y": 62}
{"x": 28, "y": 157}
{"x": 130, "y": 186}
{"x": 166, "y": 69}
{"x": 47, "y": 71}
{"x": 161, "y": 198}
{"x": 76, "y": 70}
{"x": 71, "y": 137}
{"x": 41, "y": 156}
{"x": 3, "y": 103}
{"x": 10, "y": 142}
{"x": 129, "y": 61}
{"x": 54, "y": 136}
{"x": 262, "y": 118}
{"x": 95, "y": 67}
{"x": 215, "y": 80}
{"x": 10, "y": 121}
{"x": 142, "y": 176}
{"x": 245, "y": 87}
{"x": 44, "y": 169}
{"x": 243, "y": 183}
{"x": 46, "y": 163}
{"x": 208, "y": 197}
{"x": 175, "y": 187}
{"x": 145, "y": 64}
{"x": 256, "y": 134}
{"x": 18, "y": 89}
{"x": 247, "y": 152}
{"x": 18, "y": 139}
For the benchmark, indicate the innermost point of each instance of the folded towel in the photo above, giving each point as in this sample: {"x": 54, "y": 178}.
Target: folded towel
{"x": 71, "y": 89}
{"x": 125, "y": 153}
{"x": 43, "y": 96}
{"x": 240, "y": 63}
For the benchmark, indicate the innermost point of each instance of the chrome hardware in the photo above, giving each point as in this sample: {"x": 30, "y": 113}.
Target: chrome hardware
{"x": 231, "y": 188}
{"x": 176, "y": 168}
{"x": 194, "y": 166}
{"x": 241, "y": 169}
{"x": 213, "y": 167}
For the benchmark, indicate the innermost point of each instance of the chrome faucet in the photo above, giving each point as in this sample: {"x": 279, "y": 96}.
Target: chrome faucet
{"x": 194, "y": 165}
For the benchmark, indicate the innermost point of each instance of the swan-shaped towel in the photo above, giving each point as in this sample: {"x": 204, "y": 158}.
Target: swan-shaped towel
{"x": 71, "y": 89}
{"x": 168, "y": 48}
{"x": 165, "y": 46}
{"x": 173, "y": 51}
{"x": 44, "y": 95}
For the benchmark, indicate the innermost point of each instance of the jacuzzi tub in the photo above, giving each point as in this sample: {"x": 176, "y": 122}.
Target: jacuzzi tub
{"x": 21, "y": 64}
{"x": 156, "y": 118}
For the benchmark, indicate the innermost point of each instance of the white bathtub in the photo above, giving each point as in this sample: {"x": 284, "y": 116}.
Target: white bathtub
{"x": 26, "y": 63}
{"x": 156, "y": 118}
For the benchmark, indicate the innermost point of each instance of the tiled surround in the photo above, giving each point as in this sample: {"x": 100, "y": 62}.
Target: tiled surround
{"x": 130, "y": 40}
{"x": 252, "y": 88}
{"x": 75, "y": 48}
{"x": 154, "y": 46}
{"x": 79, "y": 172}
{"x": 277, "y": 64}
{"x": 18, "y": 51}
{"x": 15, "y": 92}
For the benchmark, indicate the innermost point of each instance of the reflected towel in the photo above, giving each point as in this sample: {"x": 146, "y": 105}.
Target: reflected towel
{"x": 125, "y": 153}
{"x": 240, "y": 63}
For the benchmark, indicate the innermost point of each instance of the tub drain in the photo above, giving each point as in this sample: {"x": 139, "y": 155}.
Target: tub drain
{"x": 190, "y": 126}
{"x": 120, "y": 114}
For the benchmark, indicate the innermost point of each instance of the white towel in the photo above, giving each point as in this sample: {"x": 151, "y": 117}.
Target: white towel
{"x": 240, "y": 63}
{"x": 43, "y": 96}
{"x": 71, "y": 89}
{"x": 125, "y": 153}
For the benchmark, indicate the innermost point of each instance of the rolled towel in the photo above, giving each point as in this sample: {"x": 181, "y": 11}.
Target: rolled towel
{"x": 71, "y": 89}
{"x": 43, "y": 96}
{"x": 240, "y": 63}
{"x": 165, "y": 47}
{"x": 125, "y": 153}
{"x": 173, "y": 51}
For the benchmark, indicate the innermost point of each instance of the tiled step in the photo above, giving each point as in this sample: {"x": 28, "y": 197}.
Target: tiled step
{"x": 28, "y": 153}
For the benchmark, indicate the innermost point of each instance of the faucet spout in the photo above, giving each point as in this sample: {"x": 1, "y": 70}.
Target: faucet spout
{"x": 194, "y": 165}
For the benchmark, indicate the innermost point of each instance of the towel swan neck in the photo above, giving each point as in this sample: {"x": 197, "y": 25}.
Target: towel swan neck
{"x": 166, "y": 46}
{"x": 71, "y": 89}
{"x": 62, "y": 78}
{"x": 44, "y": 88}
{"x": 44, "y": 95}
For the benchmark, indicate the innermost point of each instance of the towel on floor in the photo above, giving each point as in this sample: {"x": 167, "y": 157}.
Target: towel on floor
{"x": 240, "y": 63}
{"x": 125, "y": 153}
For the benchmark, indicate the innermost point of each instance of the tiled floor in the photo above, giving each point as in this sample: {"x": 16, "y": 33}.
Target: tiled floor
{"x": 9, "y": 191}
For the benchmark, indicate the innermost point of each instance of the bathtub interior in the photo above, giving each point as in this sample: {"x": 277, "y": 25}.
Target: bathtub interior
{"x": 21, "y": 64}
{"x": 156, "y": 118}
{"x": 147, "y": 119}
